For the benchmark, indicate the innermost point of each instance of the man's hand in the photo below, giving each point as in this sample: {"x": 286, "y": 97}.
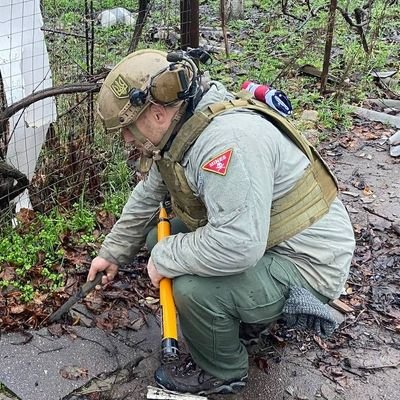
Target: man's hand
{"x": 153, "y": 274}
{"x": 100, "y": 264}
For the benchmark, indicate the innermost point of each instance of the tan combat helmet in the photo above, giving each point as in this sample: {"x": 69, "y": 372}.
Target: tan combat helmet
{"x": 140, "y": 79}
{"x": 133, "y": 72}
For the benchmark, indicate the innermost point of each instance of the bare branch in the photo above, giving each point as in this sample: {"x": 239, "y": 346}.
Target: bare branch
{"x": 285, "y": 11}
{"x": 358, "y": 13}
{"x": 144, "y": 9}
{"x": 43, "y": 94}
{"x": 347, "y": 18}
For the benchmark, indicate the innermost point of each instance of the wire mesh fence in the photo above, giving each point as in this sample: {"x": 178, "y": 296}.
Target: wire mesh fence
{"x": 53, "y": 56}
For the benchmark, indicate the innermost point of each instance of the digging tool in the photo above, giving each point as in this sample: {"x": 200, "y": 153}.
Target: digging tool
{"x": 83, "y": 291}
{"x": 169, "y": 342}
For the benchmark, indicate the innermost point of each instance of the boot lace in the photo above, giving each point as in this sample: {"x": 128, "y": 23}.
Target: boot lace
{"x": 186, "y": 368}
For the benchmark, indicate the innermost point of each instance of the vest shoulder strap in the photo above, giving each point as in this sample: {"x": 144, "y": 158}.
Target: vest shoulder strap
{"x": 193, "y": 127}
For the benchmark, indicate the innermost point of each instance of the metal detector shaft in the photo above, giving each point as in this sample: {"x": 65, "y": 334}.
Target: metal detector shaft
{"x": 169, "y": 343}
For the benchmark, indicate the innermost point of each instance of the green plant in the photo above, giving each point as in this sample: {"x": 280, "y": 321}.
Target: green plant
{"x": 334, "y": 114}
{"x": 35, "y": 250}
{"x": 83, "y": 218}
{"x": 118, "y": 177}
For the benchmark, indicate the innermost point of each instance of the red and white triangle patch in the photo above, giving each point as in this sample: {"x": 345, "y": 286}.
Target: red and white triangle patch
{"x": 219, "y": 164}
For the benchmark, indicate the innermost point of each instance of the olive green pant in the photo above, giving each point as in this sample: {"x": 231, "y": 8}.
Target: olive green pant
{"x": 211, "y": 308}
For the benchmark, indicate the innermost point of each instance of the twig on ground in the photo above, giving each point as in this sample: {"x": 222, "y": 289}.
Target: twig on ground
{"x": 356, "y": 319}
{"x": 374, "y": 367}
{"x": 50, "y": 350}
{"x": 371, "y": 211}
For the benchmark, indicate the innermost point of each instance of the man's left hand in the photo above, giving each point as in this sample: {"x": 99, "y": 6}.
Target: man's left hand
{"x": 155, "y": 277}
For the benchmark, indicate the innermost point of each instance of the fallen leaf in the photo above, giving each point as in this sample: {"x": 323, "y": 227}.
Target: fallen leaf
{"x": 151, "y": 300}
{"x": 7, "y": 273}
{"x": 320, "y": 342}
{"x": 367, "y": 191}
{"x": 106, "y": 219}
{"x": 137, "y": 324}
{"x": 55, "y": 330}
{"x": 25, "y": 216}
{"x": 18, "y": 309}
{"x": 262, "y": 363}
{"x": 74, "y": 373}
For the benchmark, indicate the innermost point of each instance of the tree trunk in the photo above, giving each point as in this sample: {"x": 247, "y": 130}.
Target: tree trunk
{"x": 234, "y": 9}
{"x": 328, "y": 45}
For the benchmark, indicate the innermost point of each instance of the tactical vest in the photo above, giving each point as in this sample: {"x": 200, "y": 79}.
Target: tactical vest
{"x": 295, "y": 211}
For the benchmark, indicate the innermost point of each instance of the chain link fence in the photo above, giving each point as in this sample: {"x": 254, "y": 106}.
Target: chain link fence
{"x": 53, "y": 57}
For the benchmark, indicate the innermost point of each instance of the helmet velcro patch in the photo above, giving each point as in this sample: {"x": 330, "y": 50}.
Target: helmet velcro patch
{"x": 119, "y": 87}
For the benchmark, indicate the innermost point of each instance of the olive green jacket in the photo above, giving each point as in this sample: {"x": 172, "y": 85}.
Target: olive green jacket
{"x": 264, "y": 165}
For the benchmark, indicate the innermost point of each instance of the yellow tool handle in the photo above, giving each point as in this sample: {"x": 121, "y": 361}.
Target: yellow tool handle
{"x": 169, "y": 345}
{"x": 170, "y": 330}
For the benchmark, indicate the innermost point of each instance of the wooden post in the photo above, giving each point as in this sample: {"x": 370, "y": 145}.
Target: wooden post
{"x": 328, "y": 45}
{"x": 189, "y": 23}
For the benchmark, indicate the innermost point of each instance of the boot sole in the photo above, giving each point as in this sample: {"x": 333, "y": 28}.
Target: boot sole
{"x": 230, "y": 388}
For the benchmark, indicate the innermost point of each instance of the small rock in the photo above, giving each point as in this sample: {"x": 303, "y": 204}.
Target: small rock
{"x": 312, "y": 135}
{"x": 395, "y": 151}
{"x": 290, "y": 390}
{"x": 309, "y": 115}
{"x": 382, "y": 140}
{"x": 396, "y": 226}
{"x": 395, "y": 138}
{"x": 367, "y": 200}
{"x": 388, "y": 110}
{"x": 352, "y": 210}
{"x": 114, "y": 16}
{"x": 352, "y": 194}
{"x": 327, "y": 393}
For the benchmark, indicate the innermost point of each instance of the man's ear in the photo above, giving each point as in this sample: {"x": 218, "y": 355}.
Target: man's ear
{"x": 159, "y": 113}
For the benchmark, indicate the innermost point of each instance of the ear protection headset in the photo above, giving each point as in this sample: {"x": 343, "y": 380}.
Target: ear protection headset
{"x": 179, "y": 81}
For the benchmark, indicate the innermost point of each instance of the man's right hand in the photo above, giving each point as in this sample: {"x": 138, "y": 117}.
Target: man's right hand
{"x": 100, "y": 264}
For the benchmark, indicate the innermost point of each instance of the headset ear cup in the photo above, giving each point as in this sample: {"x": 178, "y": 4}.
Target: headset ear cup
{"x": 171, "y": 85}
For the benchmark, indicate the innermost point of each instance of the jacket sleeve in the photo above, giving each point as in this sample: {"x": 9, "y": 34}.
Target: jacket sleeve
{"x": 128, "y": 234}
{"x": 237, "y": 203}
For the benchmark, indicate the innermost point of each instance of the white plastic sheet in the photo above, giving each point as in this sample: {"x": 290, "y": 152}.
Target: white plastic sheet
{"x": 25, "y": 69}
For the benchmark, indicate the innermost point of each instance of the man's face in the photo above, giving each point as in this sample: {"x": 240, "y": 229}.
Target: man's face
{"x": 129, "y": 139}
{"x": 152, "y": 124}
{"x": 132, "y": 143}
{"x": 142, "y": 125}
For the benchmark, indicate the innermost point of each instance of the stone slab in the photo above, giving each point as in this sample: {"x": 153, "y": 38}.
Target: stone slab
{"x": 33, "y": 370}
